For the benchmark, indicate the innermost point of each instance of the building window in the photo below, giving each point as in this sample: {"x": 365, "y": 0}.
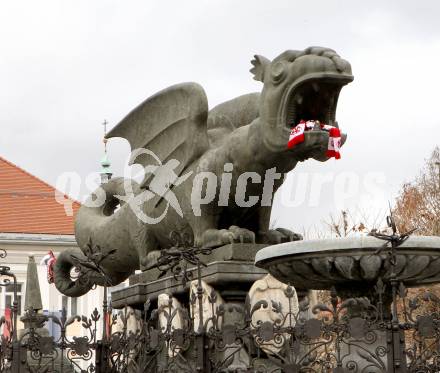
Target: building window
{"x": 70, "y": 305}
{"x": 65, "y": 303}
{"x": 9, "y": 296}
{"x": 73, "y": 306}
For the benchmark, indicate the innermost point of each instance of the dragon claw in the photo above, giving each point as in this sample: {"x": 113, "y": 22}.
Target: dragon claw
{"x": 150, "y": 260}
{"x": 280, "y": 235}
{"x": 220, "y": 237}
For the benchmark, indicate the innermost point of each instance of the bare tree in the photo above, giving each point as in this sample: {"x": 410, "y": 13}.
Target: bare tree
{"x": 418, "y": 204}
{"x": 348, "y": 223}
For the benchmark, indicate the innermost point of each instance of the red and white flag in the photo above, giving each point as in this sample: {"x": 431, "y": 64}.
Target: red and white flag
{"x": 7, "y": 325}
{"x": 49, "y": 261}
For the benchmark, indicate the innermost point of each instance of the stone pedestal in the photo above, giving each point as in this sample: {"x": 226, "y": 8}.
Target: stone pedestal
{"x": 229, "y": 269}
{"x": 230, "y": 272}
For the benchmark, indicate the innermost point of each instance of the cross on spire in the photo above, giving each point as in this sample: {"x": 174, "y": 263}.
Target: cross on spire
{"x": 106, "y": 173}
{"x": 105, "y": 134}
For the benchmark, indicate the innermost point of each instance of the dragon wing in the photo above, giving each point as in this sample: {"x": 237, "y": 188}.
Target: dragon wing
{"x": 170, "y": 125}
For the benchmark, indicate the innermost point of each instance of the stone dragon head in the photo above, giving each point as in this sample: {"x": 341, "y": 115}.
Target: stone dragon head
{"x": 299, "y": 85}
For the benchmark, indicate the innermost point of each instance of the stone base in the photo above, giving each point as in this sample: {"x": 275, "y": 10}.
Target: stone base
{"x": 229, "y": 269}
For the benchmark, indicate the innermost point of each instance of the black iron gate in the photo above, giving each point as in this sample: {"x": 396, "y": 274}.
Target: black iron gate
{"x": 355, "y": 335}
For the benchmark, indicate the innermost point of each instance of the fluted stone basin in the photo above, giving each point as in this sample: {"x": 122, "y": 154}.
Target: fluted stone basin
{"x": 348, "y": 262}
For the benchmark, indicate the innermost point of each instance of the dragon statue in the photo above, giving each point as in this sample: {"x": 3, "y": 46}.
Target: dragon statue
{"x": 176, "y": 138}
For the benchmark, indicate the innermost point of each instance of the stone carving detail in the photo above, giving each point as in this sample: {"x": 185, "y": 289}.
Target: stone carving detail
{"x": 171, "y": 320}
{"x": 213, "y": 307}
{"x": 128, "y": 319}
{"x": 270, "y": 305}
{"x": 211, "y": 300}
{"x": 128, "y": 324}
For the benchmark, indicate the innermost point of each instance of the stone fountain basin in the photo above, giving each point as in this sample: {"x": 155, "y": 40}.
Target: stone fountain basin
{"x": 345, "y": 262}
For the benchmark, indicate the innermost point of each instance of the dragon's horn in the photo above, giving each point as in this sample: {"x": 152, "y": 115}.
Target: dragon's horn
{"x": 260, "y": 63}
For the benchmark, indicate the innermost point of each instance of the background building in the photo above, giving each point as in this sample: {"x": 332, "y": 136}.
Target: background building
{"x": 32, "y": 222}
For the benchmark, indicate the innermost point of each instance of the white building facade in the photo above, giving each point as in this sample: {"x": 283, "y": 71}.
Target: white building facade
{"x": 19, "y": 247}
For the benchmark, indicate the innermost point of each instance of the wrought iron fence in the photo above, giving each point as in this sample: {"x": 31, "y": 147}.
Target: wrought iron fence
{"x": 388, "y": 331}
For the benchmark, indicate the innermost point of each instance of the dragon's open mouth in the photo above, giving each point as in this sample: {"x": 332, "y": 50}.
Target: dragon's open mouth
{"x": 314, "y": 99}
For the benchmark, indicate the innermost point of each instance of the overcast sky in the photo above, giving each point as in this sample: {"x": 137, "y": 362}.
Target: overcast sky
{"x": 67, "y": 65}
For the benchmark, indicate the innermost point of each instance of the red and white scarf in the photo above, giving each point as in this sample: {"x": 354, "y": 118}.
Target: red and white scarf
{"x": 334, "y": 140}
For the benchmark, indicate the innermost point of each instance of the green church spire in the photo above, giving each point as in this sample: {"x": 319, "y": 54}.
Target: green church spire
{"x": 105, "y": 172}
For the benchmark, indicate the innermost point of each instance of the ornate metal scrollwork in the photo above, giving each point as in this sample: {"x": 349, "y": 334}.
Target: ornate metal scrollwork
{"x": 176, "y": 259}
{"x": 349, "y": 335}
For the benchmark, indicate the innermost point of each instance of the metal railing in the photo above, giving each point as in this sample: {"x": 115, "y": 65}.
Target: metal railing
{"x": 355, "y": 335}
